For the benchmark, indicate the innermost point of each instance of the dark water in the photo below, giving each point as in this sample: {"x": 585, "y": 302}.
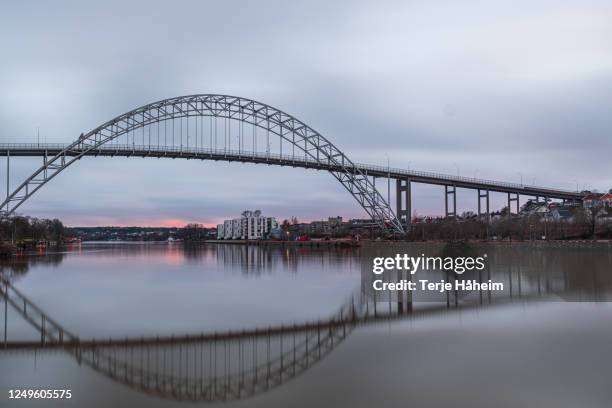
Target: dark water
{"x": 165, "y": 325}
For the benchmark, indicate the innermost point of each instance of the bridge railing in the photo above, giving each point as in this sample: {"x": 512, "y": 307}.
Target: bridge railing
{"x": 139, "y": 149}
{"x": 42, "y": 146}
{"x": 452, "y": 178}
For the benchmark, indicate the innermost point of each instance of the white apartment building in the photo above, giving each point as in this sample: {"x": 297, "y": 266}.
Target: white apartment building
{"x": 251, "y": 225}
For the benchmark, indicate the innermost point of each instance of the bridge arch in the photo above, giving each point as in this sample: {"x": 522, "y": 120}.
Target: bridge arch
{"x": 288, "y": 130}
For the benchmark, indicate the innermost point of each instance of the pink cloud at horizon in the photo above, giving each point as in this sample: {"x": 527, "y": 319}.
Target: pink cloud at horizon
{"x": 163, "y": 223}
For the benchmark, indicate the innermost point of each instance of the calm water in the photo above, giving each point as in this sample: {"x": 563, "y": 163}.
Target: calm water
{"x": 163, "y": 324}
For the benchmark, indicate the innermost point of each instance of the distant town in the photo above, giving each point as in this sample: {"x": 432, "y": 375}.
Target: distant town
{"x": 537, "y": 220}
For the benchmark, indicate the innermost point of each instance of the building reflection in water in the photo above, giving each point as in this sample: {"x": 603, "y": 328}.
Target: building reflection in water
{"x": 258, "y": 259}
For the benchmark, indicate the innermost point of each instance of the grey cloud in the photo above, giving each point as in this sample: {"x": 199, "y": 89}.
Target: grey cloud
{"x": 497, "y": 90}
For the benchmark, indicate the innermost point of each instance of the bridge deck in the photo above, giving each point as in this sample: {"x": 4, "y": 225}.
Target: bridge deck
{"x": 39, "y": 150}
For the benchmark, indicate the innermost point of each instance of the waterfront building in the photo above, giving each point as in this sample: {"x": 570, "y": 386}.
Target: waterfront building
{"x": 251, "y": 225}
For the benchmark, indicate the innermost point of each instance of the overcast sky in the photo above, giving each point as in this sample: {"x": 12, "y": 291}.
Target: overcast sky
{"x": 498, "y": 90}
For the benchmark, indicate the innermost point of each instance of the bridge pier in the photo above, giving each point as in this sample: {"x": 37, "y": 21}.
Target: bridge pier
{"x": 404, "y": 297}
{"x": 8, "y": 177}
{"x": 450, "y": 190}
{"x": 484, "y": 195}
{"x": 5, "y": 314}
{"x": 403, "y": 198}
{"x": 513, "y": 197}
{"x": 42, "y": 331}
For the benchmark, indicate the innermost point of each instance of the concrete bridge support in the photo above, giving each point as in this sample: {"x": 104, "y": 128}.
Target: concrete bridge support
{"x": 450, "y": 191}
{"x": 487, "y": 213}
{"x": 8, "y": 175}
{"x": 513, "y": 198}
{"x": 404, "y": 297}
{"x": 404, "y": 202}
{"x": 5, "y": 314}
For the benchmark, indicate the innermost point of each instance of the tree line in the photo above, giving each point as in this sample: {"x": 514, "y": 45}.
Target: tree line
{"x": 22, "y": 228}
{"x": 510, "y": 228}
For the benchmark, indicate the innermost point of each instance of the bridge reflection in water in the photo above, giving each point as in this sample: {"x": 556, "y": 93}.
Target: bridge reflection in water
{"x": 224, "y": 366}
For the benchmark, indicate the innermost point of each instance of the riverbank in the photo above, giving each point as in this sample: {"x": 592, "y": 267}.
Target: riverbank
{"x": 540, "y": 243}
{"x": 346, "y": 243}
{"x": 330, "y": 243}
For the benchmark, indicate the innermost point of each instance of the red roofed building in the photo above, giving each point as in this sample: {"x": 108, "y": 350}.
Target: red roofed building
{"x": 592, "y": 200}
{"x": 606, "y": 200}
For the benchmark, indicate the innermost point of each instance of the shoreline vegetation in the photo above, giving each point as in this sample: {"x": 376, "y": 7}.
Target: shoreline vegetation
{"x": 19, "y": 234}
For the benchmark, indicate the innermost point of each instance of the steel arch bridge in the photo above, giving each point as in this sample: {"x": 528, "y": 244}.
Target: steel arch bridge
{"x": 211, "y": 118}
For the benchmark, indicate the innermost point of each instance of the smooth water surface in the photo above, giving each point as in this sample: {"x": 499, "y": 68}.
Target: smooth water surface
{"x": 277, "y": 326}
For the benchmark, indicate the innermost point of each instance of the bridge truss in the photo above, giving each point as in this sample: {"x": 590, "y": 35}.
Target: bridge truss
{"x": 215, "y": 122}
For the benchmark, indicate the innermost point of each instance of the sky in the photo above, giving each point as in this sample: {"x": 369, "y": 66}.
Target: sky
{"x": 504, "y": 90}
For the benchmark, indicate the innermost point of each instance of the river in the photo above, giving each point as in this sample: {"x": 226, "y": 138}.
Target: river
{"x": 162, "y": 325}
